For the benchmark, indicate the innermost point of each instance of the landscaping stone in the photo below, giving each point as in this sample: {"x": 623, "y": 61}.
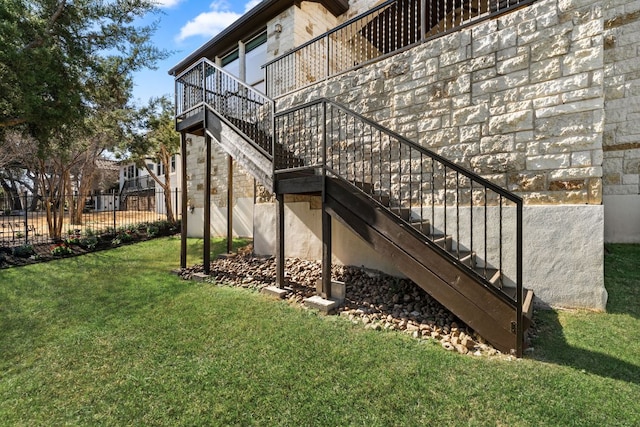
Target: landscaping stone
{"x": 372, "y": 299}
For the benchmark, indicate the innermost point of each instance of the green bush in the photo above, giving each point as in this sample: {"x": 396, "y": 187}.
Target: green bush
{"x": 60, "y": 250}
{"x": 23, "y": 251}
{"x": 89, "y": 242}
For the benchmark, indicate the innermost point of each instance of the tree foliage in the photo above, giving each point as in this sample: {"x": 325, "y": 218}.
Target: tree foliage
{"x": 60, "y": 60}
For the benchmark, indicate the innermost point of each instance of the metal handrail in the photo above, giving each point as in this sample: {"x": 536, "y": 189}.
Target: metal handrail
{"x": 383, "y": 165}
{"x": 378, "y": 33}
{"x": 247, "y": 110}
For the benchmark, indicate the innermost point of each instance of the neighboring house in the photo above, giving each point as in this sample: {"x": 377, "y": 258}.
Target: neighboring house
{"x": 105, "y": 184}
{"x": 531, "y": 105}
{"x": 138, "y": 190}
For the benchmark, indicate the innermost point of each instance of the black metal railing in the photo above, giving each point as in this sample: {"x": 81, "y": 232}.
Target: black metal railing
{"x": 28, "y": 219}
{"x": 443, "y": 200}
{"x": 246, "y": 109}
{"x": 380, "y": 32}
{"x": 139, "y": 183}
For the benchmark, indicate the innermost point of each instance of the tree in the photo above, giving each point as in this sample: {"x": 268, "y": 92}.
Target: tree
{"x": 53, "y": 55}
{"x": 158, "y": 141}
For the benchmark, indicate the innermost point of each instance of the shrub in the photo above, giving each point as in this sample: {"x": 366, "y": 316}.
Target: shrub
{"x": 152, "y": 230}
{"x": 60, "y": 249}
{"x": 23, "y": 251}
{"x": 89, "y": 242}
{"x": 122, "y": 237}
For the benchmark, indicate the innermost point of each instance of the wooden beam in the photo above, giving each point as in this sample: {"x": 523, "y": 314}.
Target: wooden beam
{"x": 230, "y": 205}
{"x": 206, "y": 256}
{"x": 280, "y": 280}
{"x": 326, "y": 253}
{"x": 183, "y": 204}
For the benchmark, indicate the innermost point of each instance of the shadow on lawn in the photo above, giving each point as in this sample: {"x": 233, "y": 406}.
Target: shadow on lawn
{"x": 552, "y": 337}
{"x": 622, "y": 279}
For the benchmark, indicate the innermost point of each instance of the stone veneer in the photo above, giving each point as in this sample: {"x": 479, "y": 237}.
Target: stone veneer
{"x": 621, "y": 143}
{"x": 517, "y": 99}
{"x": 243, "y": 190}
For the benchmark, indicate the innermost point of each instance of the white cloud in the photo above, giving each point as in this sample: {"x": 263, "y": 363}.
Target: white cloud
{"x": 251, "y": 4}
{"x": 167, "y": 3}
{"x": 208, "y": 24}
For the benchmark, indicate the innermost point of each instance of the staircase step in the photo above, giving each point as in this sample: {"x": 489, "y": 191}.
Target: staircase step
{"x": 465, "y": 257}
{"x": 404, "y": 213}
{"x": 364, "y": 186}
{"x": 527, "y": 305}
{"x": 445, "y": 242}
{"x": 384, "y": 200}
{"x": 423, "y": 226}
{"x": 491, "y": 274}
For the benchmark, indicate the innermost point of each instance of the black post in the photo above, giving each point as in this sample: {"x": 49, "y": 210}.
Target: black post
{"x": 207, "y": 206}
{"x": 114, "y": 211}
{"x": 26, "y": 219}
{"x": 183, "y": 206}
{"x": 326, "y": 218}
{"x": 230, "y": 206}
{"x": 326, "y": 254}
{"x": 280, "y": 280}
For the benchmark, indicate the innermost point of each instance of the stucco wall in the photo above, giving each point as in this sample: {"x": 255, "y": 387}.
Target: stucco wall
{"x": 559, "y": 277}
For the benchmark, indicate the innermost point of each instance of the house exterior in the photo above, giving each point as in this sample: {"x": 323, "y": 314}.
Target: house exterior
{"x": 137, "y": 190}
{"x": 538, "y": 98}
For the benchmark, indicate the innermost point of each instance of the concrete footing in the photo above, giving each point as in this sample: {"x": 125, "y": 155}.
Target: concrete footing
{"x": 338, "y": 290}
{"x": 199, "y": 277}
{"x": 274, "y": 291}
{"x": 324, "y": 305}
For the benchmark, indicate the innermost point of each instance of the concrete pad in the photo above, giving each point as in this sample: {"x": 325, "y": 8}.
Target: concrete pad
{"x": 274, "y": 291}
{"x": 199, "y": 277}
{"x": 321, "y": 304}
{"x": 338, "y": 290}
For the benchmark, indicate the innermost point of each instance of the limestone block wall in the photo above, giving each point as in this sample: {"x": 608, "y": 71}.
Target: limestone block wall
{"x": 518, "y": 99}
{"x": 243, "y": 191}
{"x": 621, "y": 143}
{"x": 299, "y": 24}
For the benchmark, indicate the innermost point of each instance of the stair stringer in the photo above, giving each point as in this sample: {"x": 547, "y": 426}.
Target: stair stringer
{"x": 490, "y": 314}
{"x": 237, "y": 146}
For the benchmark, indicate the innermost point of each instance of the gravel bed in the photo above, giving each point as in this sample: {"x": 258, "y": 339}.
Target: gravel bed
{"x": 373, "y": 299}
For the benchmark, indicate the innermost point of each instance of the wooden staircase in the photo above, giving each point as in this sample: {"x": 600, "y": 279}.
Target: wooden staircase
{"x": 385, "y": 190}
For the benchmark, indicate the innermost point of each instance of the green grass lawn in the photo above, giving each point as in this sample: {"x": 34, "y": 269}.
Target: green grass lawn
{"x": 111, "y": 338}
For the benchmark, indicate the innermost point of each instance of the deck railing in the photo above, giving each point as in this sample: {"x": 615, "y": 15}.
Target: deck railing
{"x": 242, "y": 106}
{"x": 386, "y": 29}
{"x": 444, "y": 199}
{"x": 139, "y": 183}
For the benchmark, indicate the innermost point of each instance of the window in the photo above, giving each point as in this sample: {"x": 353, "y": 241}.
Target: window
{"x": 255, "y": 56}
{"x": 173, "y": 163}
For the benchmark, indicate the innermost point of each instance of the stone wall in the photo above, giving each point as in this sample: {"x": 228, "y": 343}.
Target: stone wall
{"x": 243, "y": 190}
{"x": 518, "y": 99}
{"x": 621, "y": 142}
{"x": 299, "y": 24}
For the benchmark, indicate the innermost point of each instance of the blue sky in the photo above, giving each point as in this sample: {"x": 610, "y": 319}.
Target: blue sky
{"x": 184, "y": 26}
